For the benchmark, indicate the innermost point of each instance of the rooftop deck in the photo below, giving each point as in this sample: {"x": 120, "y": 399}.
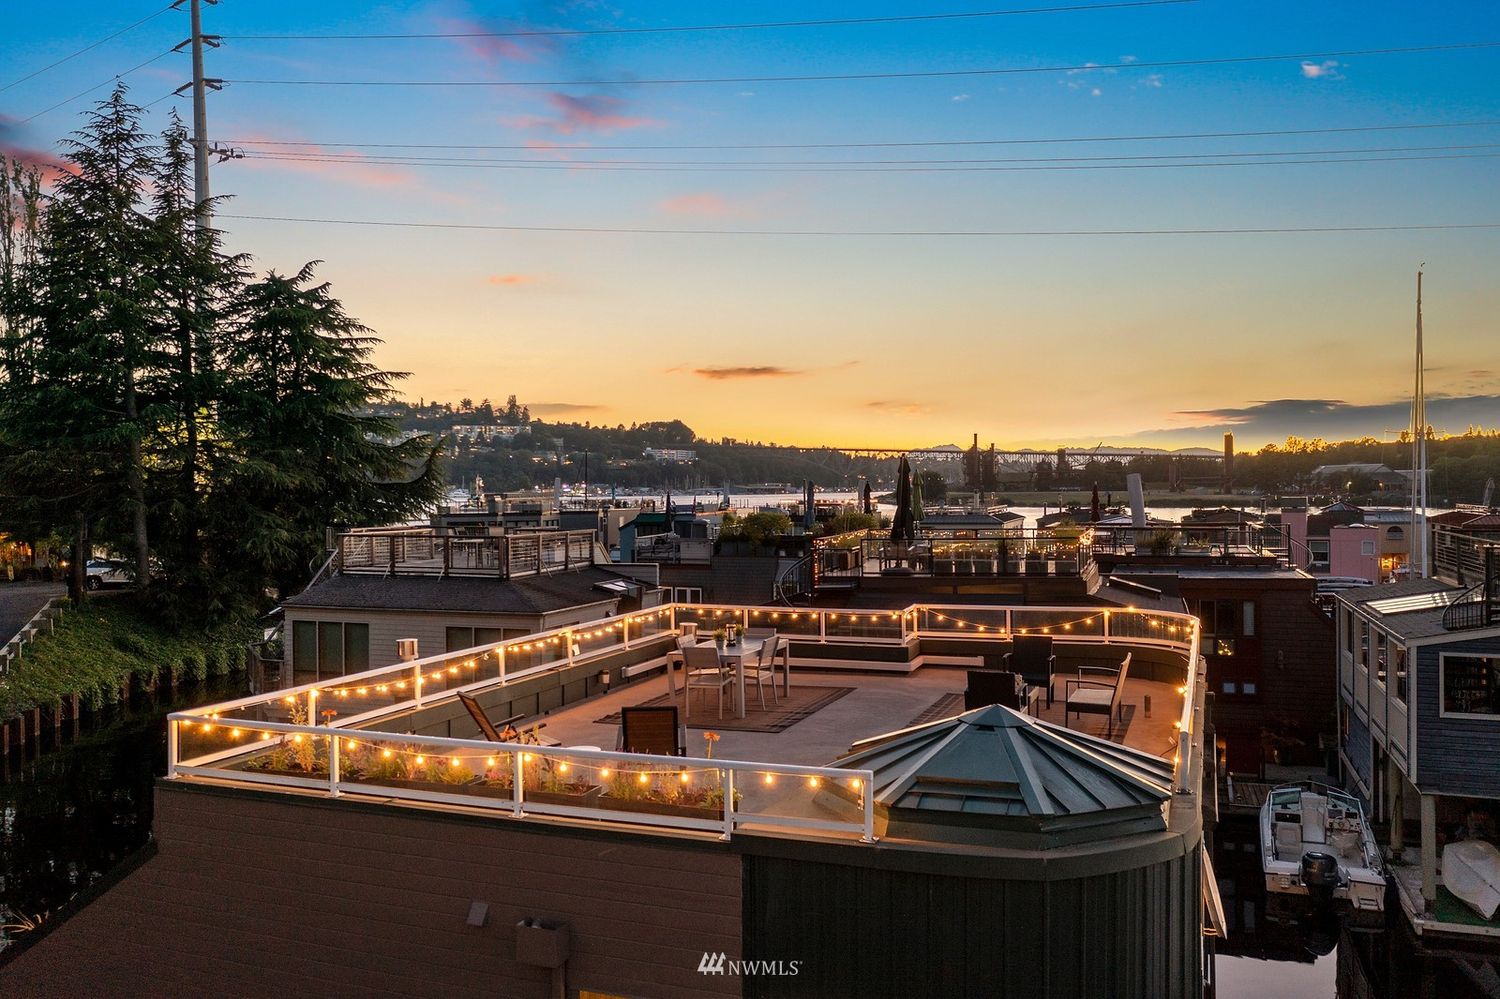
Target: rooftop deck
{"x": 398, "y": 734}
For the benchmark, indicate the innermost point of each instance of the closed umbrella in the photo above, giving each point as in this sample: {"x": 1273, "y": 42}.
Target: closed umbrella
{"x": 917, "y": 512}
{"x": 903, "y": 525}
{"x": 1094, "y": 505}
{"x": 809, "y": 511}
{"x": 869, "y": 500}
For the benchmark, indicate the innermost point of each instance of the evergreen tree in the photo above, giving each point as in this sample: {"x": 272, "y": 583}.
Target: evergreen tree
{"x": 77, "y": 424}
{"x": 296, "y": 402}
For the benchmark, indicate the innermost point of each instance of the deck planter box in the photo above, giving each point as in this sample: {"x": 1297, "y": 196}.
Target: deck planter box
{"x": 648, "y": 807}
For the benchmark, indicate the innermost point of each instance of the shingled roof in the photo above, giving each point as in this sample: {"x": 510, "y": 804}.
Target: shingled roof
{"x": 523, "y": 595}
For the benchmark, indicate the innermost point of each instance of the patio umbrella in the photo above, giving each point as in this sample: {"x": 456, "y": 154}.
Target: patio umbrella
{"x": 869, "y": 500}
{"x": 916, "y": 500}
{"x": 903, "y": 525}
{"x": 809, "y": 510}
{"x": 1094, "y": 505}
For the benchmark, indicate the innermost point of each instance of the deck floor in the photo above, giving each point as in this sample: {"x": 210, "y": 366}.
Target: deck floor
{"x": 877, "y": 704}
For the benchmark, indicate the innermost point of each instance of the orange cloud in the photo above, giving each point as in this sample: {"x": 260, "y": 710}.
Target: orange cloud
{"x": 48, "y": 165}
{"x": 513, "y": 280}
{"x": 701, "y": 204}
{"x": 586, "y": 113}
{"x": 899, "y": 406}
{"x": 719, "y": 374}
{"x": 345, "y": 164}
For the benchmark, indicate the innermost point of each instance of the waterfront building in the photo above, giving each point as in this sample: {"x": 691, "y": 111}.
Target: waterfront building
{"x": 1419, "y": 719}
{"x": 885, "y": 843}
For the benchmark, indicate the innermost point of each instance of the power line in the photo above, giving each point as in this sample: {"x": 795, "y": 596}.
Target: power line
{"x": 923, "y": 233}
{"x": 883, "y": 145}
{"x": 90, "y": 90}
{"x": 821, "y": 23}
{"x": 606, "y": 168}
{"x": 913, "y": 75}
{"x": 86, "y": 48}
{"x": 570, "y": 164}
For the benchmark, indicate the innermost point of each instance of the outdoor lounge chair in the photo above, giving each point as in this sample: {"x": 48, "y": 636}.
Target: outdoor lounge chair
{"x": 652, "y": 730}
{"x": 1096, "y": 691}
{"x": 1031, "y": 656}
{"x": 506, "y": 731}
{"x": 987, "y": 686}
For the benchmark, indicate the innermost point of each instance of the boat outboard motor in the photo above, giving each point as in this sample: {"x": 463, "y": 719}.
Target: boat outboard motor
{"x": 1320, "y": 876}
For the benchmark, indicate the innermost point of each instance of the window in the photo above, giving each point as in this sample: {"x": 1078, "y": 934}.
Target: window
{"x": 461, "y": 638}
{"x": 330, "y": 648}
{"x": 1248, "y": 687}
{"x": 1317, "y": 552}
{"x": 1367, "y": 547}
{"x": 1230, "y": 687}
{"x": 1398, "y": 669}
{"x": 1471, "y": 684}
{"x": 1362, "y": 656}
{"x": 1247, "y": 619}
{"x": 1394, "y": 534}
{"x": 1220, "y": 628}
{"x": 687, "y": 594}
{"x": 1351, "y": 635}
{"x": 1377, "y": 643}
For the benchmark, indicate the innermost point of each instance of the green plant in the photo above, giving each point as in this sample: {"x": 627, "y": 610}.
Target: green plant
{"x": 1162, "y": 543}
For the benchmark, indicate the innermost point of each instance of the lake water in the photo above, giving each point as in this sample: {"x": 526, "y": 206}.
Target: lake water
{"x": 72, "y": 814}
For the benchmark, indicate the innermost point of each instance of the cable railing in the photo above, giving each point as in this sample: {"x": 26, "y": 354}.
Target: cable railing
{"x": 429, "y": 552}
{"x": 330, "y": 735}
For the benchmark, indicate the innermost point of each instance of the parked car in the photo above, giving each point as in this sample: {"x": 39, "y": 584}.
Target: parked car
{"x": 102, "y": 572}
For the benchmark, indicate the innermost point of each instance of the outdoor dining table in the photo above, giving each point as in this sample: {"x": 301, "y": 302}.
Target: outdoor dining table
{"x": 745, "y": 648}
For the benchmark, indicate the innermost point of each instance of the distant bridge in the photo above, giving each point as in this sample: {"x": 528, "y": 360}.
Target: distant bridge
{"x": 1073, "y": 457}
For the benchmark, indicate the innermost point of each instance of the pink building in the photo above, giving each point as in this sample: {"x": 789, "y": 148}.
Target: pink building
{"x": 1354, "y": 551}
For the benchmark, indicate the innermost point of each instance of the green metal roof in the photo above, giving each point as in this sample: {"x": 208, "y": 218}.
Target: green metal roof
{"x": 999, "y": 770}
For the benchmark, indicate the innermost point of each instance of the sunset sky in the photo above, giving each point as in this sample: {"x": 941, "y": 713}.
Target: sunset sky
{"x": 861, "y": 340}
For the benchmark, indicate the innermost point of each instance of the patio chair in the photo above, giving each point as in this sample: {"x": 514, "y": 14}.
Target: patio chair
{"x": 1096, "y": 691}
{"x": 675, "y": 661}
{"x": 702, "y": 669}
{"x": 988, "y": 686}
{"x": 763, "y": 670}
{"x": 652, "y": 730}
{"x": 1031, "y": 656}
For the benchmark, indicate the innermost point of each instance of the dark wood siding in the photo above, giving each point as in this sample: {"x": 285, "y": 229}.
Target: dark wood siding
{"x": 1454, "y": 755}
{"x": 258, "y": 894}
{"x": 902, "y": 933}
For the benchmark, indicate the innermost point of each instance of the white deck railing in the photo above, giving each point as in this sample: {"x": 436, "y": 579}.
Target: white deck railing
{"x": 224, "y": 740}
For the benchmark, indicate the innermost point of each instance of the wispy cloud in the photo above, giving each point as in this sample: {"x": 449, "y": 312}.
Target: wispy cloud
{"x": 571, "y": 114}
{"x": 562, "y": 408}
{"x": 13, "y": 148}
{"x": 514, "y": 280}
{"x": 959, "y": 98}
{"x": 1334, "y": 419}
{"x": 720, "y": 374}
{"x": 1328, "y": 69}
{"x": 346, "y": 165}
{"x": 699, "y": 204}
{"x": 469, "y": 34}
{"x": 900, "y": 406}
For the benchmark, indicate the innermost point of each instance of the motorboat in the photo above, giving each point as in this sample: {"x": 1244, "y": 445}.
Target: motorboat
{"x": 1314, "y": 841}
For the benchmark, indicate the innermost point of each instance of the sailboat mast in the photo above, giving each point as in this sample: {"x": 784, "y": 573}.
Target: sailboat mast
{"x": 1420, "y": 566}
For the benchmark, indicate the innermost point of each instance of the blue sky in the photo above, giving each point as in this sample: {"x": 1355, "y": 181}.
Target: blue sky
{"x": 870, "y": 340}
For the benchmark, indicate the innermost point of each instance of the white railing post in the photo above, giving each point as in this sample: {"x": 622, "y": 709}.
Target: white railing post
{"x": 625, "y": 631}
{"x": 333, "y": 764}
{"x": 500, "y": 656}
{"x": 822, "y": 625}
{"x": 1010, "y": 625}
{"x": 419, "y": 686}
{"x": 726, "y": 781}
{"x": 517, "y": 780}
{"x": 172, "y": 724}
{"x": 568, "y": 641}
{"x": 1106, "y": 627}
{"x": 312, "y": 706}
{"x": 867, "y": 785}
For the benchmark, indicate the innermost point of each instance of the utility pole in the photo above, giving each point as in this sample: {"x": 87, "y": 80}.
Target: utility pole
{"x": 200, "y": 87}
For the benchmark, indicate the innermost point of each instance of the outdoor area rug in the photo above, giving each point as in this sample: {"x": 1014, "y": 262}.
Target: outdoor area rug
{"x": 944, "y": 707}
{"x": 803, "y": 701}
